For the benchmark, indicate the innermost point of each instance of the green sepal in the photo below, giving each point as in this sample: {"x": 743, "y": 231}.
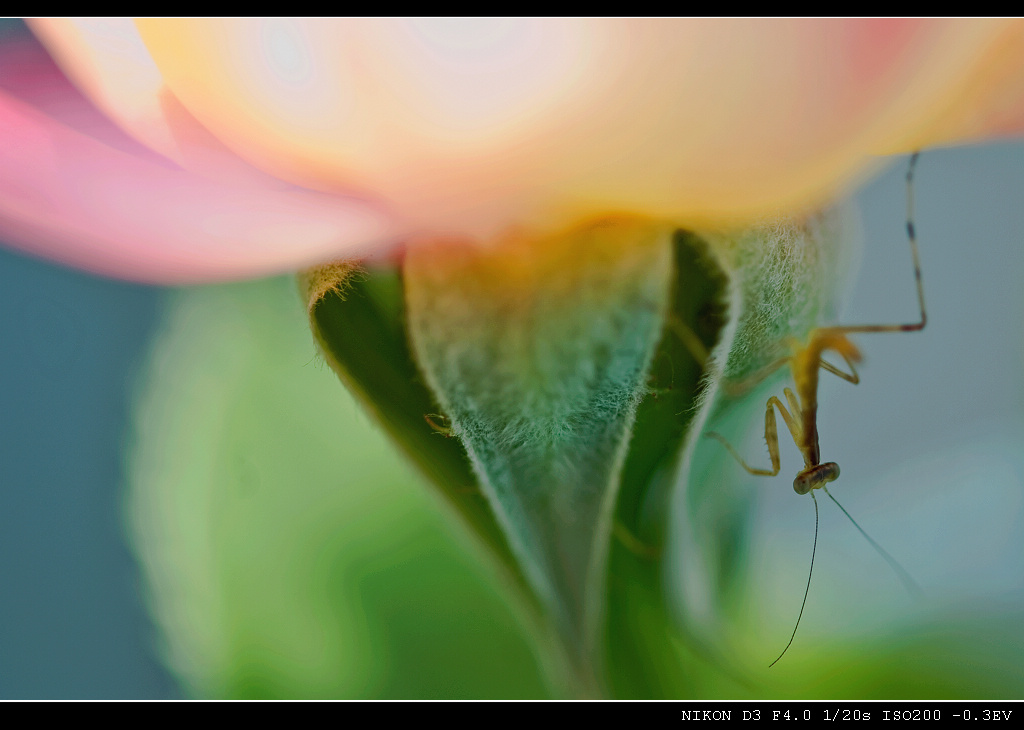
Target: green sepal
{"x": 358, "y": 319}
{"x": 539, "y": 350}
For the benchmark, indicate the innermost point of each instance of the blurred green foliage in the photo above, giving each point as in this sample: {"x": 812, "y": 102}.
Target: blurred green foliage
{"x": 290, "y": 551}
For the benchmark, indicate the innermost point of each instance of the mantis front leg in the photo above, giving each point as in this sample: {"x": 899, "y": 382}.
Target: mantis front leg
{"x": 771, "y": 433}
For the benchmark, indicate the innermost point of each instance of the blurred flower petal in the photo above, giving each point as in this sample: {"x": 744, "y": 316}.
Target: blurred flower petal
{"x": 477, "y": 124}
{"x": 108, "y": 62}
{"x": 74, "y": 188}
{"x": 106, "y": 59}
{"x": 460, "y": 126}
{"x": 992, "y": 103}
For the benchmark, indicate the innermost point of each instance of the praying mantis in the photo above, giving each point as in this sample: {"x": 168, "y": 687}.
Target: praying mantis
{"x": 805, "y": 362}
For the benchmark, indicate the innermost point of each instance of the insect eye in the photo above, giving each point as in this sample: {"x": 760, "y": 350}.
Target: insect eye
{"x": 815, "y": 477}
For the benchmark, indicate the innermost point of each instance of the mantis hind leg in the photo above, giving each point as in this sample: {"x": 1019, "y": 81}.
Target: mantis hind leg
{"x": 700, "y": 354}
{"x": 689, "y": 339}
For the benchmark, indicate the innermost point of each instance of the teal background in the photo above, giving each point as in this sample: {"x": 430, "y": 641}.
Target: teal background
{"x": 72, "y": 624}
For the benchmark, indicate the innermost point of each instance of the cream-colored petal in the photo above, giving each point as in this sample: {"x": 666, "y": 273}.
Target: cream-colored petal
{"x": 476, "y": 125}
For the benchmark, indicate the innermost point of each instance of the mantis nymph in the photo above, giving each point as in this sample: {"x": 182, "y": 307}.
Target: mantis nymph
{"x": 805, "y": 362}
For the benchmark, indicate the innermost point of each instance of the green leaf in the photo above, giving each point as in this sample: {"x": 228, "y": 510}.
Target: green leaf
{"x": 568, "y": 367}
{"x": 646, "y": 653}
{"x": 358, "y": 319}
{"x": 538, "y": 351}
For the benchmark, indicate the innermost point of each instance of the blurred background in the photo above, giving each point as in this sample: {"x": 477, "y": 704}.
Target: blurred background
{"x": 72, "y": 623}
{"x": 289, "y": 552}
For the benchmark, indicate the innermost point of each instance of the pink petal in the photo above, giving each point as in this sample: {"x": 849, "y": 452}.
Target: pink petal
{"x": 108, "y": 63}
{"x": 75, "y": 189}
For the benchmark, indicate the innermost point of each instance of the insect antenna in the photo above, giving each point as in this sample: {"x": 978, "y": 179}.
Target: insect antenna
{"x": 909, "y": 583}
{"x": 807, "y": 590}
